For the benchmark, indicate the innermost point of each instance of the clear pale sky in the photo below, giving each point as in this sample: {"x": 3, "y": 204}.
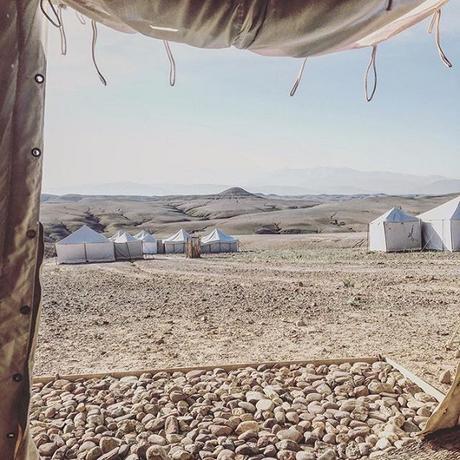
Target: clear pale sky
{"x": 230, "y": 118}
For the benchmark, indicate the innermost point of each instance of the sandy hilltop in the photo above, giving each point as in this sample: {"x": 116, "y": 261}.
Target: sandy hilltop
{"x": 234, "y": 210}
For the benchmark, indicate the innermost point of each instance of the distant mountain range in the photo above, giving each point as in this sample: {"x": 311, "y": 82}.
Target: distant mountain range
{"x": 312, "y": 181}
{"x": 347, "y": 181}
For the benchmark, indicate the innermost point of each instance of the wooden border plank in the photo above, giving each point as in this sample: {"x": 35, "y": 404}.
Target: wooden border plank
{"x": 227, "y": 367}
{"x": 425, "y": 386}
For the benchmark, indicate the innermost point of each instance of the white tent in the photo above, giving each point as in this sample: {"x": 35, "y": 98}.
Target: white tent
{"x": 127, "y": 247}
{"x": 149, "y": 242}
{"x": 395, "y": 231}
{"x": 441, "y": 227}
{"x": 116, "y": 235}
{"x": 84, "y": 245}
{"x": 218, "y": 241}
{"x": 175, "y": 244}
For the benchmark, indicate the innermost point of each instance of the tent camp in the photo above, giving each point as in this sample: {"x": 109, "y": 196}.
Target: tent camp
{"x": 127, "y": 247}
{"x": 149, "y": 242}
{"x": 441, "y": 227}
{"x": 395, "y": 231}
{"x": 175, "y": 244}
{"x": 218, "y": 241}
{"x": 84, "y": 245}
{"x": 296, "y": 28}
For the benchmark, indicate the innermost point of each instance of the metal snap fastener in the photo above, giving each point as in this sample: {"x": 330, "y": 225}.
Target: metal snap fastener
{"x": 36, "y": 152}
{"x": 39, "y": 78}
{"x": 17, "y": 377}
{"x": 10, "y": 435}
{"x": 25, "y": 310}
{"x": 31, "y": 233}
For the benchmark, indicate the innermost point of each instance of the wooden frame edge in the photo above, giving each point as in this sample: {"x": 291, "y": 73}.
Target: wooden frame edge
{"x": 228, "y": 367}
{"x": 425, "y": 386}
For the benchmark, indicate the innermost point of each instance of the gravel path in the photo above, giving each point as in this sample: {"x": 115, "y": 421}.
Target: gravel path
{"x": 322, "y": 412}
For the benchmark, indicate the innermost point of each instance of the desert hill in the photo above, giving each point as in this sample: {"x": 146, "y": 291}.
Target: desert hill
{"x": 234, "y": 210}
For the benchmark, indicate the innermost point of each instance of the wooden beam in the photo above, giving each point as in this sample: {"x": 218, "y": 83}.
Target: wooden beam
{"x": 425, "y": 386}
{"x": 227, "y": 367}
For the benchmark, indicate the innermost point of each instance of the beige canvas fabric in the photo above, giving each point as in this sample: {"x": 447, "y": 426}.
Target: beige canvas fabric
{"x": 297, "y": 28}
{"x": 22, "y": 57}
{"x": 448, "y": 412}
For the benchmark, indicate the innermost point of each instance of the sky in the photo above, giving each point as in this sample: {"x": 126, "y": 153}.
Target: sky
{"x": 229, "y": 118}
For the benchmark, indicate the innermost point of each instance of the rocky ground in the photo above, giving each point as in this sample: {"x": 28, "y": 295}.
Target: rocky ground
{"x": 322, "y": 412}
{"x": 283, "y": 297}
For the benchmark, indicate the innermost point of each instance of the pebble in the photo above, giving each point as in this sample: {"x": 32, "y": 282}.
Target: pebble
{"x": 445, "y": 377}
{"x": 322, "y": 412}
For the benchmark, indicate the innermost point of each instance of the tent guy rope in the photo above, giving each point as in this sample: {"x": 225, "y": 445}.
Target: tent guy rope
{"x": 298, "y": 79}
{"x": 435, "y": 23}
{"x": 62, "y": 31}
{"x": 80, "y": 17}
{"x": 371, "y": 65}
{"x": 93, "y": 52}
{"x": 172, "y": 63}
{"x": 55, "y": 22}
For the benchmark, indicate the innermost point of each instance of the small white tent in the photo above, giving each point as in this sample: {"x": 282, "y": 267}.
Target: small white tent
{"x": 84, "y": 245}
{"x": 175, "y": 244}
{"x": 127, "y": 247}
{"x": 395, "y": 231}
{"x": 116, "y": 235}
{"x": 218, "y": 241}
{"x": 149, "y": 242}
{"x": 441, "y": 227}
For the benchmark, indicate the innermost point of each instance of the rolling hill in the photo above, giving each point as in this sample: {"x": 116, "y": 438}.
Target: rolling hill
{"x": 235, "y": 210}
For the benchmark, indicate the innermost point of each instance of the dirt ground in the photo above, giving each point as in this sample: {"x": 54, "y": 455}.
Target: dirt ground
{"x": 282, "y": 297}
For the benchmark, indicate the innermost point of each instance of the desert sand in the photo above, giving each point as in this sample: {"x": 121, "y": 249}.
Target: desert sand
{"x": 282, "y": 297}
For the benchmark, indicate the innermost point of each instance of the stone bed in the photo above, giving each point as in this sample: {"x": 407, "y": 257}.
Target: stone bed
{"x": 317, "y": 412}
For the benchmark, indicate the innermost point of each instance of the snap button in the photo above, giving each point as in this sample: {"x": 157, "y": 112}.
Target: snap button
{"x": 25, "y": 310}
{"x": 36, "y": 152}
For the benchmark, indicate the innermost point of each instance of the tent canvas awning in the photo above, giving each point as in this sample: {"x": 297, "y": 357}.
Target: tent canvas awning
{"x": 296, "y": 28}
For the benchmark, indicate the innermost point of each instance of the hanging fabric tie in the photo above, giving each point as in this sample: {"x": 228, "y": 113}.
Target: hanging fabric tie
{"x": 435, "y": 23}
{"x": 62, "y": 31}
{"x": 93, "y": 52}
{"x": 298, "y": 79}
{"x": 56, "y": 22}
{"x": 172, "y": 63}
{"x": 389, "y": 5}
{"x": 371, "y": 65}
{"x": 80, "y": 17}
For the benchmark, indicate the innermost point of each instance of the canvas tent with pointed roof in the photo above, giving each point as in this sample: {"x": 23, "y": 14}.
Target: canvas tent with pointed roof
{"x": 395, "y": 231}
{"x": 84, "y": 245}
{"x": 117, "y": 234}
{"x": 441, "y": 227}
{"x": 175, "y": 244}
{"x": 296, "y": 28}
{"x": 218, "y": 241}
{"x": 127, "y": 247}
{"x": 149, "y": 242}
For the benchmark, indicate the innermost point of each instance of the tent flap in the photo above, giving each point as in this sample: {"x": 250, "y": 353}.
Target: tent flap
{"x": 22, "y": 88}
{"x": 447, "y": 413}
